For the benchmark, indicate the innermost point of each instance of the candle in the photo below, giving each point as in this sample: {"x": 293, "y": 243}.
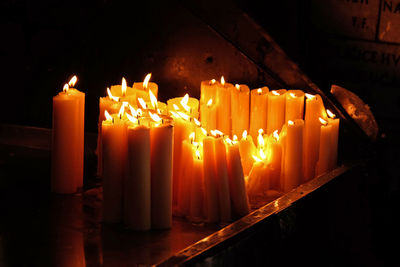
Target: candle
{"x": 325, "y": 148}
{"x": 142, "y": 88}
{"x": 161, "y": 139}
{"x": 68, "y": 140}
{"x": 274, "y": 159}
{"x": 210, "y": 180}
{"x": 294, "y": 105}
{"x": 258, "y": 180}
{"x": 258, "y": 110}
{"x": 182, "y": 129}
{"x": 222, "y": 178}
{"x": 247, "y": 150}
{"x": 293, "y": 158}
{"x": 197, "y": 187}
{"x": 240, "y": 100}
{"x": 209, "y": 115}
{"x": 112, "y": 104}
{"x": 223, "y": 98}
{"x": 114, "y": 146}
{"x": 237, "y": 185}
{"x": 276, "y": 110}
{"x": 137, "y": 186}
{"x": 332, "y": 120}
{"x": 186, "y": 170}
{"x": 312, "y": 128}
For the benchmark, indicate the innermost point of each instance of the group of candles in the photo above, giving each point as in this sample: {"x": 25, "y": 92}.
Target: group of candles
{"x": 185, "y": 156}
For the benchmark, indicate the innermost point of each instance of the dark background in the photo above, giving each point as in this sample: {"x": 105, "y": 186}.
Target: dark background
{"x": 43, "y": 43}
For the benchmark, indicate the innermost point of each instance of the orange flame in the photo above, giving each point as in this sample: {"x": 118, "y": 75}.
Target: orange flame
{"x": 192, "y": 136}
{"x": 309, "y": 96}
{"x": 213, "y": 81}
{"x": 330, "y": 114}
{"x": 324, "y": 122}
{"x": 276, "y": 135}
{"x": 155, "y": 117}
{"x": 237, "y": 86}
{"x": 197, "y": 122}
{"x": 132, "y": 119}
{"x": 142, "y": 103}
{"x": 184, "y": 116}
{"x": 260, "y": 138}
{"x": 123, "y": 86}
{"x": 259, "y": 91}
{"x": 73, "y": 81}
{"x": 290, "y": 122}
{"x": 122, "y": 109}
{"x": 133, "y": 111}
{"x": 292, "y": 95}
{"x": 153, "y": 99}
{"x": 65, "y": 88}
{"x": 222, "y": 80}
{"x": 275, "y": 93}
{"x": 184, "y": 102}
{"x": 216, "y": 133}
{"x": 115, "y": 98}
{"x": 107, "y": 115}
{"x": 244, "y": 134}
{"x": 204, "y": 131}
{"x": 209, "y": 103}
{"x": 146, "y": 81}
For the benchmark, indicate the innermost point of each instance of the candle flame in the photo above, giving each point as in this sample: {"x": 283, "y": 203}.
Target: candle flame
{"x": 139, "y": 112}
{"x": 123, "y": 86}
{"x": 175, "y": 106}
{"x": 235, "y": 138}
{"x": 330, "y": 114}
{"x": 209, "y": 103}
{"x": 65, "y": 88}
{"x": 198, "y": 153}
{"x": 174, "y": 114}
{"x": 184, "y": 102}
{"x": 73, "y": 81}
{"x": 132, "y": 119}
{"x": 260, "y": 138}
{"x": 197, "y": 122}
{"x": 222, "y": 80}
{"x": 154, "y": 117}
{"x": 153, "y": 99}
{"x": 133, "y": 111}
{"x": 146, "y": 81}
{"x": 309, "y": 96}
{"x": 213, "y": 81}
{"x": 237, "y": 86}
{"x": 275, "y": 93}
{"x": 107, "y": 115}
{"x": 262, "y": 154}
{"x": 276, "y": 135}
{"x": 228, "y": 140}
{"x": 244, "y": 134}
{"x": 259, "y": 91}
{"x": 192, "y": 136}
{"x": 256, "y": 158}
{"x": 216, "y": 133}
{"x": 290, "y": 122}
{"x": 324, "y": 122}
{"x": 122, "y": 109}
{"x": 204, "y": 131}
{"x": 292, "y": 95}
{"x": 184, "y": 116}
{"x": 142, "y": 103}
{"x": 115, "y": 98}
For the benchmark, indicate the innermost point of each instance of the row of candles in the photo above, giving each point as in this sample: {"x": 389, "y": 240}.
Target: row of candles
{"x": 157, "y": 158}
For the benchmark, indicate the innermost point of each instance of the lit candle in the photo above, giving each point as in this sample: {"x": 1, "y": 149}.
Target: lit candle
{"x": 258, "y": 111}
{"x": 67, "y": 140}
{"x": 114, "y": 147}
{"x": 222, "y": 178}
{"x": 142, "y": 88}
{"x": 237, "y": 185}
{"x": 208, "y": 90}
{"x": 258, "y": 180}
{"x": 210, "y": 180}
{"x": 209, "y": 115}
{"x": 124, "y": 93}
{"x": 312, "y": 128}
{"x": 294, "y": 105}
{"x": 332, "y": 120}
{"x": 293, "y": 156}
{"x": 325, "y": 148}
{"x": 274, "y": 159}
{"x": 112, "y": 104}
{"x": 223, "y": 99}
{"x": 247, "y": 150}
{"x": 240, "y": 100}
{"x": 197, "y": 187}
{"x": 137, "y": 185}
{"x": 276, "y": 110}
{"x": 161, "y": 139}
